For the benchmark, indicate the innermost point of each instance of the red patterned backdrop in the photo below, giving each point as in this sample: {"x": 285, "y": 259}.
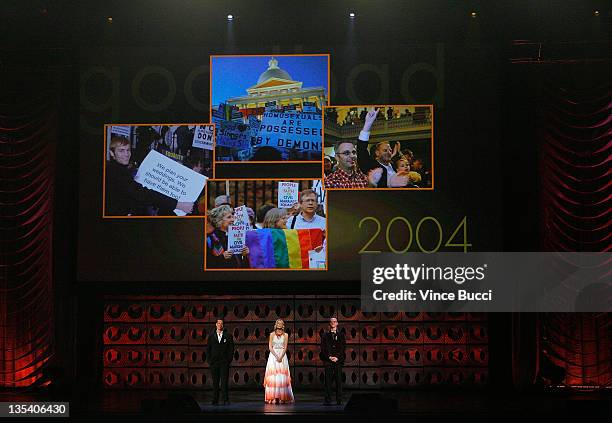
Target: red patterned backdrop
{"x": 159, "y": 342}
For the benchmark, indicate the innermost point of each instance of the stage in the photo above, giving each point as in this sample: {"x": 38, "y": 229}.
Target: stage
{"x": 442, "y": 402}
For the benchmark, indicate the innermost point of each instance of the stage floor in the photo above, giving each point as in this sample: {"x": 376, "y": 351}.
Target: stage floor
{"x": 484, "y": 404}
{"x": 426, "y": 402}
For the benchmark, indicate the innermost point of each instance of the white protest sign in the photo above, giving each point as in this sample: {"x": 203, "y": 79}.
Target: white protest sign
{"x": 164, "y": 175}
{"x": 287, "y": 194}
{"x": 236, "y": 237}
{"x": 291, "y": 130}
{"x": 316, "y": 260}
{"x": 232, "y": 134}
{"x": 317, "y": 187}
{"x": 122, "y": 131}
{"x": 203, "y": 137}
{"x": 241, "y": 216}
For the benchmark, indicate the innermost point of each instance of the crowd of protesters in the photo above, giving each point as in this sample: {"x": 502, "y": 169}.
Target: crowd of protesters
{"x": 306, "y": 214}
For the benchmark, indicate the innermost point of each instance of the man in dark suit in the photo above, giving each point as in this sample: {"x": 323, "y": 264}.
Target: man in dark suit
{"x": 219, "y": 354}
{"x": 333, "y": 345}
{"x": 377, "y": 162}
{"x": 125, "y": 196}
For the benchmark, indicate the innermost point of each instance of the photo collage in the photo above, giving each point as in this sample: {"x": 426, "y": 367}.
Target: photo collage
{"x": 272, "y": 111}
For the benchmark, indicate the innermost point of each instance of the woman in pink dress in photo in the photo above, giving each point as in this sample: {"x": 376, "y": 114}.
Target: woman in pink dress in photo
{"x": 277, "y": 380}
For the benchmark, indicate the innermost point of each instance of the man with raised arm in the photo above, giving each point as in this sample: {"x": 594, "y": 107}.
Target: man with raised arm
{"x": 376, "y": 163}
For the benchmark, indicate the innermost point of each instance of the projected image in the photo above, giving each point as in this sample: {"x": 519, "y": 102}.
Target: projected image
{"x": 378, "y": 147}
{"x": 269, "y": 108}
{"x": 156, "y": 170}
{"x": 266, "y": 225}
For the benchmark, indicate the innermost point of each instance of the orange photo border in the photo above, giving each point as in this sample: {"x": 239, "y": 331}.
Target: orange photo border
{"x": 325, "y": 269}
{"x": 328, "y": 55}
{"x": 431, "y": 106}
{"x": 104, "y": 216}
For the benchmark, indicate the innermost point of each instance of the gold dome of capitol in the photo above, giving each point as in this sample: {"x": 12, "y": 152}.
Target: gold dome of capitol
{"x": 273, "y": 71}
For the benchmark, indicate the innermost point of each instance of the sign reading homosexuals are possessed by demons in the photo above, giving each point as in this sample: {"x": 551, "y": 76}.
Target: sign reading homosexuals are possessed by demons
{"x": 236, "y": 237}
{"x": 233, "y": 135}
{"x": 164, "y": 175}
{"x": 290, "y": 130}
{"x": 287, "y": 194}
{"x": 203, "y": 137}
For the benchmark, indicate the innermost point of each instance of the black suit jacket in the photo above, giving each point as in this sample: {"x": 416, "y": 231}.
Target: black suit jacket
{"x": 218, "y": 354}
{"x": 329, "y": 347}
{"x": 124, "y": 195}
{"x": 366, "y": 163}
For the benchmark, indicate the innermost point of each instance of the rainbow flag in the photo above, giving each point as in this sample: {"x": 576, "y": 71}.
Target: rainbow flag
{"x": 282, "y": 248}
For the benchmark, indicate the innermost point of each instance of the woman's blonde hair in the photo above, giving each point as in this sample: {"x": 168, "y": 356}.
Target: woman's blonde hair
{"x": 279, "y": 324}
{"x": 272, "y": 217}
{"x": 215, "y": 216}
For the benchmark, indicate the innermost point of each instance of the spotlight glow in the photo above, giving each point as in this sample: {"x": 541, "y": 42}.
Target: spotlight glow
{"x": 230, "y": 17}
{"x": 473, "y": 14}
{"x": 352, "y": 15}
{"x": 109, "y": 19}
{"x": 596, "y": 13}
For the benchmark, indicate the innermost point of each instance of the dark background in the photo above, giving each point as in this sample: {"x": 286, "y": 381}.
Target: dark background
{"x": 461, "y": 79}
{"x": 486, "y": 96}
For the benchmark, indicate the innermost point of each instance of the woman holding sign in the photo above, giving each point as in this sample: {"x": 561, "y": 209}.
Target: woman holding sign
{"x": 218, "y": 255}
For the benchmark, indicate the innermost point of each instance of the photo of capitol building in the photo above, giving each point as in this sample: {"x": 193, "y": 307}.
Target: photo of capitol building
{"x": 276, "y": 87}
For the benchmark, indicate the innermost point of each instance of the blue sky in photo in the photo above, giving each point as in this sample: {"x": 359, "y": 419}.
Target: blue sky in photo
{"x": 231, "y": 76}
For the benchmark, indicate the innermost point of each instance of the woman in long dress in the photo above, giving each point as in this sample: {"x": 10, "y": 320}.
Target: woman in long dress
{"x": 277, "y": 380}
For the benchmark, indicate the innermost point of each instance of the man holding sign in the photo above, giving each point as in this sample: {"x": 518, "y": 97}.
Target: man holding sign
{"x": 126, "y": 197}
{"x": 164, "y": 175}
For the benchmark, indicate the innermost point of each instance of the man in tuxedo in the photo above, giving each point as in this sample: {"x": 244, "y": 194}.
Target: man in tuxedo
{"x": 219, "y": 354}
{"x": 333, "y": 344}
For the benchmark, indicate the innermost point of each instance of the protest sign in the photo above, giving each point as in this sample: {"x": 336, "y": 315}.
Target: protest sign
{"x": 241, "y": 216}
{"x": 254, "y": 126}
{"x": 174, "y": 156}
{"x": 309, "y": 107}
{"x": 317, "y": 187}
{"x": 287, "y": 194}
{"x": 236, "y": 237}
{"x": 122, "y": 131}
{"x": 316, "y": 260}
{"x": 232, "y": 134}
{"x": 203, "y": 137}
{"x": 164, "y": 175}
{"x": 291, "y": 130}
